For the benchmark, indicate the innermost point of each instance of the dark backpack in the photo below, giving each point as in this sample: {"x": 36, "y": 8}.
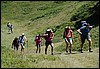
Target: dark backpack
{"x": 7, "y": 24}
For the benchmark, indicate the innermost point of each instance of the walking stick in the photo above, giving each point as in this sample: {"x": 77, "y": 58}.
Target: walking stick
{"x": 27, "y": 45}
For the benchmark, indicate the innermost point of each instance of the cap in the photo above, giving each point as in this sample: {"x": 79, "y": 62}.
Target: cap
{"x": 67, "y": 27}
{"x": 22, "y": 33}
{"x": 48, "y": 29}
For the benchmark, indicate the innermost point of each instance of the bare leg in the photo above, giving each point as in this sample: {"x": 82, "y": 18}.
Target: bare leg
{"x": 90, "y": 46}
{"x": 66, "y": 47}
{"x": 70, "y": 49}
{"x": 52, "y": 48}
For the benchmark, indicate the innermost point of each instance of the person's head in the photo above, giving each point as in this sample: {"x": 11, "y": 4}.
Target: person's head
{"x": 39, "y": 35}
{"x": 8, "y": 22}
{"x": 87, "y": 25}
{"x": 23, "y": 34}
{"x": 67, "y": 28}
{"x": 48, "y": 29}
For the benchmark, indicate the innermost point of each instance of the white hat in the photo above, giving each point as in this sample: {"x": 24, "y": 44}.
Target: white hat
{"x": 67, "y": 27}
{"x": 22, "y": 33}
{"x": 48, "y": 29}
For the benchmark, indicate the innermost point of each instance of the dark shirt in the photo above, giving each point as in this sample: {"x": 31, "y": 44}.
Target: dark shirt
{"x": 85, "y": 31}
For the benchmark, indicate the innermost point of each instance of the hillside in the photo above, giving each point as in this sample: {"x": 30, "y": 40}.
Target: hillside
{"x": 34, "y": 17}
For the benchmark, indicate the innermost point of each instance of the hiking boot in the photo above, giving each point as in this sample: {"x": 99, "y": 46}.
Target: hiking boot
{"x": 46, "y": 53}
{"x": 66, "y": 52}
{"x": 90, "y": 50}
{"x": 51, "y": 53}
{"x": 81, "y": 51}
{"x": 70, "y": 51}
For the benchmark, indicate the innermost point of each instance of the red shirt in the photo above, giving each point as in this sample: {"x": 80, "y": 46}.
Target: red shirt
{"x": 38, "y": 41}
{"x": 68, "y": 33}
{"x": 49, "y": 38}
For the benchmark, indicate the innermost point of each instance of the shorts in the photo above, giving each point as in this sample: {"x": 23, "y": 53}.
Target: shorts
{"x": 22, "y": 45}
{"x": 47, "y": 43}
{"x": 68, "y": 40}
{"x": 85, "y": 37}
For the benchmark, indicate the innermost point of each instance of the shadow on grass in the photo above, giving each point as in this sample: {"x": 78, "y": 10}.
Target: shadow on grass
{"x": 62, "y": 53}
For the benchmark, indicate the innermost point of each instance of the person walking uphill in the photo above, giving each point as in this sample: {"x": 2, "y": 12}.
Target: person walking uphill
{"x": 38, "y": 40}
{"x": 68, "y": 38}
{"x": 85, "y": 34}
{"x": 22, "y": 41}
{"x": 49, "y": 40}
{"x": 10, "y": 27}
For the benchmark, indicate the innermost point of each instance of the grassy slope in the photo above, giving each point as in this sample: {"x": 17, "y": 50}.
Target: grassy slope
{"x": 34, "y": 17}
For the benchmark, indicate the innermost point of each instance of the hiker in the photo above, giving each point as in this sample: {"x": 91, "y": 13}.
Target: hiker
{"x": 83, "y": 23}
{"x": 68, "y": 38}
{"x": 15, "y": 43}
{"x": 84, "y": 33}
{"x": 49, "y": 40}
{"x": 22, "y": 41}
{"x": 10, "y": 27}
{"x": 38, "y": 40}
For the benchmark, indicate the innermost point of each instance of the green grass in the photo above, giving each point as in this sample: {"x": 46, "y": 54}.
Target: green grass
{"x": 34, "y": 17}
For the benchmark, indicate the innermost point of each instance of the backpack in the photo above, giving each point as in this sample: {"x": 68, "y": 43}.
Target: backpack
{"x": 20, "y": 39}
{"x": 7, "y": 24}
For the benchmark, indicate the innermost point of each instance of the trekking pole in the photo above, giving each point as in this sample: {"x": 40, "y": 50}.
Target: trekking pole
{"x": 27, "y": 45}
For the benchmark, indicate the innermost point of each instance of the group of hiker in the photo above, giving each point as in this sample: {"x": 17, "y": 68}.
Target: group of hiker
{"x": 21, "y": 40}
{"x": 48, "y": 36}
{"x": 84, "y": 32}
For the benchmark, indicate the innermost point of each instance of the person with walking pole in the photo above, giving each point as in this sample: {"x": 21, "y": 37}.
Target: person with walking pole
{"x": 22, "y": 41}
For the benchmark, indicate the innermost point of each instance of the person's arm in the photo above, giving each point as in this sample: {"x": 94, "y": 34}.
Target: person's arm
{"x": 26, "y": 39}
{"x": 52, "y": 35}
{"x": 79, "y": 31}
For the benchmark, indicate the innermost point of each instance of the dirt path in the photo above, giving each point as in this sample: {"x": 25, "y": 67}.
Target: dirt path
{"x": 74, "y": 60}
